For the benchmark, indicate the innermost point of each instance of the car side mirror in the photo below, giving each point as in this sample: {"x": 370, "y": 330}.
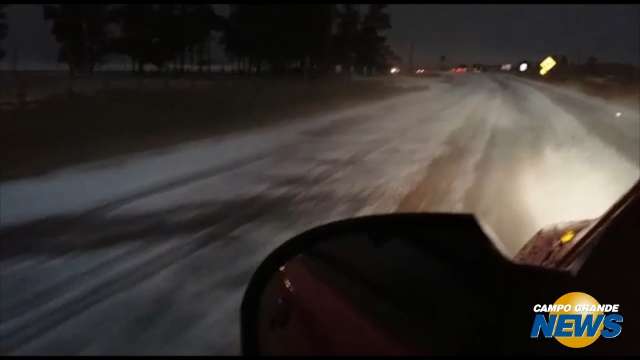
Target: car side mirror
{"x": 399, "y": 284}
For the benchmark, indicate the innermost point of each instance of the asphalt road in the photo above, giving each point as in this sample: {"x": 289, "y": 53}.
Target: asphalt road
{"x": 150, "y": 254}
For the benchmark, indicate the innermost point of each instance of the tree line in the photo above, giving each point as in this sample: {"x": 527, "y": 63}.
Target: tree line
{"x": 275, "y": 38}
{"x": 146, "y": 33}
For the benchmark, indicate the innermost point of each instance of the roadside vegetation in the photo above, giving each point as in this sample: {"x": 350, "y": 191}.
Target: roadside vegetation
{"x": 175, "y": 37}
{"x": 615, "y": 82}
{"x": 286, "y": 61}
{"x": 62, "y": 130}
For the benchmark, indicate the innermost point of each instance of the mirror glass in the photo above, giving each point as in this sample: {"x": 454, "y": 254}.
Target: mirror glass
{"x": 366, "y": 291}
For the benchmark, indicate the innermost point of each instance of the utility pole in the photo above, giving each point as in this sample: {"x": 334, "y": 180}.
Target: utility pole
{"x": 355, "y": 57}
{"x": 20, "y": 90}
{"x": 14, "y": 60}
{"x": 443, "y": 60}
{"x": 85, "y": 67}
{"x": 411, "y": 47}
{"x": 183, "y": 12}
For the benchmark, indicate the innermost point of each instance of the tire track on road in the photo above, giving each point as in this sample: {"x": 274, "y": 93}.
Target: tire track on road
{"x": 128, "y": 277}
{"x": 444, "y": 182}
{"x": 13, "y": 338}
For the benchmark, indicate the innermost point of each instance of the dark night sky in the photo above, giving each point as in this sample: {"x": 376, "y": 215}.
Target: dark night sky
{"x": 464, "y": 33}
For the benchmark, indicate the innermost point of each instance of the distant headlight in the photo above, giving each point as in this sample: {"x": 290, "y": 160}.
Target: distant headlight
{"x": 394, "y": 70}
{"x": 523, "y": 67}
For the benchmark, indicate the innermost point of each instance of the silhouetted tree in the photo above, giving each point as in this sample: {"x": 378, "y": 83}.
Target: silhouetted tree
{"x": 244, "y": 27}
{"x": 159, "y": 33}
{"x": 373, "y": 50}
{"x": 317, "y": 22}
{"x": 301, "y": 36}
{"x": 388, "y": 57}
{"x": 347, "y": 36}
{"x": 135, "y": 32}
{"x": 147, "y": 33}
{"x": 199, "y": 21}
{"x": 81, "y": 31}
{"x": 164, "y": 41}
{"x": 304, "y": 32}
{"x": 280, "y": 35}
{"x": 3, "y": 27}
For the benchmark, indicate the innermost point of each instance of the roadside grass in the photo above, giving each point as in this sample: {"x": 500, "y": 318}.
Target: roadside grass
{"x": 62, "y": 130}
{"x": 627, "y": 92}
{"x": 620, "y": 88}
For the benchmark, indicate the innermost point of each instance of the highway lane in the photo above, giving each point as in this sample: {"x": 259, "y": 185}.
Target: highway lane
{"x": 151, "y": 255}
